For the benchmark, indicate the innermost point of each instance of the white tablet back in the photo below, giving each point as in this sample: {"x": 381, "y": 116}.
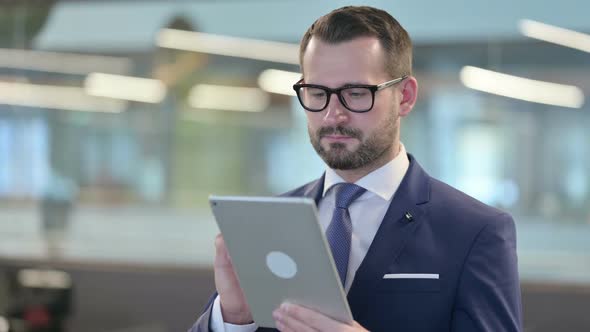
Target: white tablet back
{"x": 280, "y": 254}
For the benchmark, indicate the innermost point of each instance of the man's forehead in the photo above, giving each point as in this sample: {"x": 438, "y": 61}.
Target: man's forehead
{"x": 362, "y": 43}
{"x": 358, "y": 61}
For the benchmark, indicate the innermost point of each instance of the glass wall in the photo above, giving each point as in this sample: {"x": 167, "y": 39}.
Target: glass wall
{"x": 116, "y": 124}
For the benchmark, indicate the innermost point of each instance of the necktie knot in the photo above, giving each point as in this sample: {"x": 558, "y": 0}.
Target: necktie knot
{"x": 346, "y": 193}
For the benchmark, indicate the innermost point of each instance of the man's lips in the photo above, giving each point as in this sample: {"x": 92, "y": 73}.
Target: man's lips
{"x": 337, "y": 138}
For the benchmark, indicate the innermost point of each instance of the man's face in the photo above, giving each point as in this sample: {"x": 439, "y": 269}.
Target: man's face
{"x": 346, "y": 140}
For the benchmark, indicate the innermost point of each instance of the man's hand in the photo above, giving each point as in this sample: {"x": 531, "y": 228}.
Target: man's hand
{"x": 234, "y": 308}
{"x": 294, "y": 318}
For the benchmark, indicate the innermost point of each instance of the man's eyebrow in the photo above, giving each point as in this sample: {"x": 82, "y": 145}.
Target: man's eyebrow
{"x": 354, "y": 83}
{"x": 345, "y": 85}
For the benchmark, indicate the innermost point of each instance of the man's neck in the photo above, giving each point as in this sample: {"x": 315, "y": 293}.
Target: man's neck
{"x": 353, "y": 175}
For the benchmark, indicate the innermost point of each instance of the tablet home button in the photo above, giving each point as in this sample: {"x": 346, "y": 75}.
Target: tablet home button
{"x": 281, "y": 264}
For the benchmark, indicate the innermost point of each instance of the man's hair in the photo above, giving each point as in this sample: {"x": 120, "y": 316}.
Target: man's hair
{"x": 350, "y": 22}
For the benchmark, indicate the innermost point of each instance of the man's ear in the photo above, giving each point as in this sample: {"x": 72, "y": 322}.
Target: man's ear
{"x": 409, "y": 95}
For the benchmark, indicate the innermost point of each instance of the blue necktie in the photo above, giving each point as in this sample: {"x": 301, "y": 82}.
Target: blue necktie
{"x": 339, "y": 231}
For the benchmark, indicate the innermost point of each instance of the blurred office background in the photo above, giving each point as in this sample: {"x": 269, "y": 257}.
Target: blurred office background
{"x": 119, "y": 118}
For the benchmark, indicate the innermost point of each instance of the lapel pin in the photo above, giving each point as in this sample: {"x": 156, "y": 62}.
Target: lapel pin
{"x": 409, "y": 216}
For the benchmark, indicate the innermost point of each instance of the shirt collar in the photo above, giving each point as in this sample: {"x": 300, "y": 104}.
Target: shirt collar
{"x": 382, "y": 182}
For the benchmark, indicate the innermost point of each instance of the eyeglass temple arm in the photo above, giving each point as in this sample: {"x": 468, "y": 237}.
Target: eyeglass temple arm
{"x": 392, "y": 82}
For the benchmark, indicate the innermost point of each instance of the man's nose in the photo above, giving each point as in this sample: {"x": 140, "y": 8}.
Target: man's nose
{"x": 336, "y": 113}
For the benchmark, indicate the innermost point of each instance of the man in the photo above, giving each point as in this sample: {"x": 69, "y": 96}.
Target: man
{"x": 419, "y": 255}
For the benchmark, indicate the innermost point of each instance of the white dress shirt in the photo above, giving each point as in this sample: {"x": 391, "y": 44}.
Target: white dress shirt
{"x": 366, "y": 214}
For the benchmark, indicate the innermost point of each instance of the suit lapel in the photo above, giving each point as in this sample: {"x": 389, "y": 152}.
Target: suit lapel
{"x": 395, "y": 231}
{"x": 315, "y": 190}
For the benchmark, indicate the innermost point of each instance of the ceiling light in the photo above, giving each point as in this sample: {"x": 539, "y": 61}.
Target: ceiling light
{"x": 67, "y": 63}
{"x": 219, "y": 97}
{"x": 139, "y": 89}
{"x": 556, "y": 35}
{"x": 229, "y": 46}
{"x": 56, "y": 97}
{"x": 522, "y": 88}
{"x": 278, "y": 81}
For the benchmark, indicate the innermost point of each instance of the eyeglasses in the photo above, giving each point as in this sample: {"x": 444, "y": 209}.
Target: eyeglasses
{"x": 358, "y": 98}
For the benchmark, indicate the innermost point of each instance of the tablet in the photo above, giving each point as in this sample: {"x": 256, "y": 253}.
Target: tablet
{"x": 280, "y": 254}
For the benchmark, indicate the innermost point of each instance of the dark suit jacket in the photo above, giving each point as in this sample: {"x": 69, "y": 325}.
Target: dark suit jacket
{"x": 471, "y": 246}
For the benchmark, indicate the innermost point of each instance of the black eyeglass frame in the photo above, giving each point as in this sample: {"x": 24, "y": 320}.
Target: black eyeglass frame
{"x": 338, "y": 91}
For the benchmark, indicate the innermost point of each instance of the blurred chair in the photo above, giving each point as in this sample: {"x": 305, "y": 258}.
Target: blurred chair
{"x": 38, "y": 300}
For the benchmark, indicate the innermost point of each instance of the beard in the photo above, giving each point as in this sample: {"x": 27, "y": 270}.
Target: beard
{"x": 370, "y": 149}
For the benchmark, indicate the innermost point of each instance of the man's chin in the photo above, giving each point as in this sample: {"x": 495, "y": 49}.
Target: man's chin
{"x": 338, "y": 159}
{"x": 341, "y": 163}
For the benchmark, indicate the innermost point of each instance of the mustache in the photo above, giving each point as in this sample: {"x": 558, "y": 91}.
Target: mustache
{"x": 339, "y": 130}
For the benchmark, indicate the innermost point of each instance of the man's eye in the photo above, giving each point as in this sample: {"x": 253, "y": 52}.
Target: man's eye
{"x": 318, "y": 94}
{"x": 356, "y": 93}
